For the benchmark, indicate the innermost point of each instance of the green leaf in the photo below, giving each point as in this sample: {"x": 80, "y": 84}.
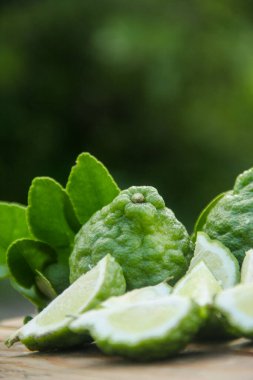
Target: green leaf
{"x": 32, "y": 294}
{"x": 25, "y": 256}
{"x": 58, "y": 275}
{"x": 13, "y": 225}
{"x": 50, "y": 213}
{"x": 45, "y": 285}
{"x": 90, "y": 186}
{"x": 204, "y": 214}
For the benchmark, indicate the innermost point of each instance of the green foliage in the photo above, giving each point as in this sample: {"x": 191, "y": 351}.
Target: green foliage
{"x": 40, "y": 268}
{"x": 13, "y": 226}
{"x": 58, "y": 275}
{"x": 204, "y": 214}
{"x": 90, "y": 187}
{"x": 32, "y": 294}
{"x": 48, "y": 218}
{"x": 25, "y": 257}
{"x": 44, "y": 285}
{"x": 26, "y": 260}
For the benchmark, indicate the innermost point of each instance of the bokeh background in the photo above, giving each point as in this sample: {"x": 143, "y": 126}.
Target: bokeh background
{"x": 160, "y": 91}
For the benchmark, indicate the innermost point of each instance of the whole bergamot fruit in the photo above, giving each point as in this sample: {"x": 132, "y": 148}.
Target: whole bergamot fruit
{"x": 141, "y": 233}
{"x": 230, "y": 220}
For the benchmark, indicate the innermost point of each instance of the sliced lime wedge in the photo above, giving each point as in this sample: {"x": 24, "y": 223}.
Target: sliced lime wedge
{"x": 236, "y": 306}
{"x": 49, "y": 329}
{"x": 198, "y": 284}
{"x": 147, "y": 293}
{"x": 247, "y": 268}
{"x": 148, "y": 330}
{"x": 217, "y": 258}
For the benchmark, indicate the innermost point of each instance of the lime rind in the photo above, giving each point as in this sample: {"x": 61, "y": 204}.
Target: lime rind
{"x": 147, "y": 293}
{"x": 247, "y": 268}
{"x": 235, "y": 306}
{"x": 199, "y": 284}
{"x": 148, "y": 330}
{"x": 218, "y": 258}
{"x": 49, "y": 329}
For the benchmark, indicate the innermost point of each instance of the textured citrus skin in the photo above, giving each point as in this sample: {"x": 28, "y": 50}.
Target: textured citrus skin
{"x": 231, "y": 219}
{"x": 141, "y": 233}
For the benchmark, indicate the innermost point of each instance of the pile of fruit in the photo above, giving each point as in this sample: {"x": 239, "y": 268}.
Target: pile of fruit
{"x": 118, "y": 269}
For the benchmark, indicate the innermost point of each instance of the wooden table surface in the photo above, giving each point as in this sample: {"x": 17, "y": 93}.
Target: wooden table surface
{"x": 197, "y": 362}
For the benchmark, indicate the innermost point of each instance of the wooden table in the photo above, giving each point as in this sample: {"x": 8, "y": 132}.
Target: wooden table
{"x": 197, "y": 362}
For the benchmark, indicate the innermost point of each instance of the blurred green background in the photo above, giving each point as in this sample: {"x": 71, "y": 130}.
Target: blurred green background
{"x": 160, "y": 91}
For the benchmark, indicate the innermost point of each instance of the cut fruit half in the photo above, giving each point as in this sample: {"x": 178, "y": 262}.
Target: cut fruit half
{"x": 147, "y": 293}
{"x": 247, "y": 268}
{"x": 49, "y": 329}
{"x": 199, "y": 284}
{"x": 218, "y": 258}
{"x": 236, "y": 307}
{"x": 148, "y": 330}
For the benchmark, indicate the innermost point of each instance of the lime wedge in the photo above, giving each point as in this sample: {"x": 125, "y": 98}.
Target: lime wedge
{"x": 235, "y": 305}
{"x": 147, "y": 293}
{"x": 198, "y": 284}
{"x": 49, "y": 329}
{"x": 148, "y": 330}
{"x": 217, "y": 258}
{"x": 201, "y": 285}
{"x": 247, "y": 267}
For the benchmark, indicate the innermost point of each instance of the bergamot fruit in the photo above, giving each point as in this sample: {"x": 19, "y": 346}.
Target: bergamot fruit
{"x": 141, "y": 233}
{"x": 230, "y": 220}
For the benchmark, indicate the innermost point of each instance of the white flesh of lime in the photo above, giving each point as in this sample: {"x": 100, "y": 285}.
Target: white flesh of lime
{"x": 247, "y": 268}
{"x": 198, "y": 284}
{"x": 217, "y": 258}
{"x": 237, "y": 306}
{"x": 144, "y": 294}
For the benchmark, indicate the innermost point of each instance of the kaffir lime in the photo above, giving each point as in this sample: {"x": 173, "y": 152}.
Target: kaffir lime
{"x": 141, "y": 233}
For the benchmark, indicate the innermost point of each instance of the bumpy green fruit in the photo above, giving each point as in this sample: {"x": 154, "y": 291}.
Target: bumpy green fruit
{"x": 231, "y": 218}
{"x": 141, "y": 233}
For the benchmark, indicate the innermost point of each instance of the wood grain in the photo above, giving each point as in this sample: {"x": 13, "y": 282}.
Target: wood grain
{"x": 197, "y": 362}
